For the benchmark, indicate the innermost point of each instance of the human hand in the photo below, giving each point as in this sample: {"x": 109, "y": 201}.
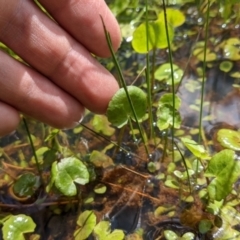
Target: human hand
{"x": 63, "y": 77}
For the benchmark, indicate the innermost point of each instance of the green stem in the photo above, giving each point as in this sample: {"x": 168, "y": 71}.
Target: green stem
{"x": 204, "y": 73}
{"x": 33, "y": 149}
{"x": 123, "y": 84}
{"x": 172, "y": 72}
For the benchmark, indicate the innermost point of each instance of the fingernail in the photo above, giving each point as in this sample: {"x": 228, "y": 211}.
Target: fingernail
{"x": 74, "y": 124}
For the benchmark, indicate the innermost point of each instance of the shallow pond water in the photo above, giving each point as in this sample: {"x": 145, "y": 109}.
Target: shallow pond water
{"x": 142, "y": 201}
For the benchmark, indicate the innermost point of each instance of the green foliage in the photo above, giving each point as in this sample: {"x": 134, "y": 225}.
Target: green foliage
{"x": 205, "y": 226}
{"x": 103, "y": 232}
{"x": 196, "y": 149}
{"x": 66, "y": 173}
{"x": 229, "y": 139}
{"x": 170, "y": 235}
{"x": 163, "y": 73}
{"x": 157, "y": 37}
{"x": 26, "y": 185}
{"x": 225, "y": 171}
{"x": 86, "y": 223}
{"x": 101, "y": 125}
{"x": 166, "y": 114}
{"x": 16, "y": 226}
{"x": 119, "y": 110}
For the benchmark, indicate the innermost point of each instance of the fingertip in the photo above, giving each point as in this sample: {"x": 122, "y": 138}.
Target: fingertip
{"x": 9, "y": 119}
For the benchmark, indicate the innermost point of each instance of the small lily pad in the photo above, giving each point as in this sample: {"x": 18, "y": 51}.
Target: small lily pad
{"x": 103, "y": 232}
{"x": 16, "y": 226}
{"x": 225, "y": 171}
{"x": 26, "y": 185}
{"x": 163, "y": 73}
{"x": 196, "y": 149}
{"x": 100, "y": 188}
{"x": 225, "y": 66}
{"x": 119, "y": 110}
{"x": 157, "y": 37}
{"x": 229, "y": 139}
{"x": 86, "y": 222}
{"x": 66, "y": 173}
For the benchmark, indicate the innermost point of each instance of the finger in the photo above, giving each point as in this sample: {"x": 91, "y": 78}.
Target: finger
{"x": 34, "y": 95}
{"x": 9, "y": 119}
{"x": 81, "y": 18}
{"x": 54, "y": 53}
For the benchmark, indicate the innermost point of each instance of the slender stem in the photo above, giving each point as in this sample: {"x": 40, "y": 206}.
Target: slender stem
{"x": 204, "y": 73}
{"x": 33, "y": 149}
{"x": 172, "y": 72}
{"x": 147, "y": 72}
{"x": 123, "y": 84}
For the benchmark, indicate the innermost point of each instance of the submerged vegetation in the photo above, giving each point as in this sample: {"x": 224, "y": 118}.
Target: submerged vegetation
{"x": 164, "y": 161}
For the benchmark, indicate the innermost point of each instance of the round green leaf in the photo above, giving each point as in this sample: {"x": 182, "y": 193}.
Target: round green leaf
{"x": 68, "y": 171}
{"x": 170, "y": 235}
{"x": 119, "y": 109}
{"x": 163, "y": 73}
{"x": 139, "y": 42}
{"x": 86, "y": 222}
{"x": 204, "y": 226}
{"x": 103, "y": 232}
{"x": 26, "y": 185}
{"x": 15, "y": 226}
{"x": 100, "y": 188}
{"x": 225, "y": 66}
{"x": 229, "y": 139}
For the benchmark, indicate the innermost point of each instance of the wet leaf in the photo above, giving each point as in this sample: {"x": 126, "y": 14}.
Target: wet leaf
{"x": 231, "y": 49}
{"x": 100, "y": 159}
{"x": 225, "y": 171}
{"x": 86, "y": 222}
{"x": 225, "y": 66}
{"x": 170, "y": 235}
{"x": 100, "y": 188}
{"x": 67, "y": 172}
{"x": 16, "y": 226}
{"x": 204, "y": 226}
{"x": 157, "y": 37}
{"x": 100, "y": 124}
{"x": 188, "y": 236}
{"x": 229, "y": 139}
{"x": 167, "y": 99}
{"x": 196, "y": 149}
{"x": 26, "y": 185}
{"x": 119, "y": 110}
{"x": 103, "y": 232}
{"x": 163, "y": 73}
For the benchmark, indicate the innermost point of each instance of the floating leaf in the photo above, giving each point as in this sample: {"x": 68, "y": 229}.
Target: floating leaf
{"x": 167, "y": 99}
{"x": 103, "y": 232}
{"x": 100, "y": 159}
{"x": 225, "y": 66}
{"x": 231, "y": 49}
{"x": 157, "y": 37}
{"x": 170, "y": 235}
{"x": 100, "y": 124}
{"x": 165, "y": 118}
{"x": 100, "y": 188}
{"x": 16, "y": 226}
{"x": 163, "y": 73}
{"x": 119, "y": 110}
{"x": 86, "y": 222}
{"x": 66, "y": 173}
{"x": 229, "y": 139}
{"x": 196, "y": 149}
{"x": 26, "y": 185}
{"x": 204, "y": 226}
{"x": 225, "y": 171}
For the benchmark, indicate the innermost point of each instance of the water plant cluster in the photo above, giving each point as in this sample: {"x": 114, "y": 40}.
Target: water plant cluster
{"x": 164, "y": 161}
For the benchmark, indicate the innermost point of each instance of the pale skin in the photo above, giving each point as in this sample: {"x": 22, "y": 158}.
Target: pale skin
{"x": 62, "y": 77}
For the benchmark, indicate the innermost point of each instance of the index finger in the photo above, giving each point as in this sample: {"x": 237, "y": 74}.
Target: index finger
{"x": 81, "y": 18}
